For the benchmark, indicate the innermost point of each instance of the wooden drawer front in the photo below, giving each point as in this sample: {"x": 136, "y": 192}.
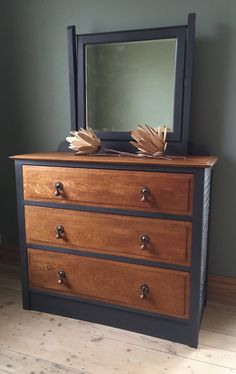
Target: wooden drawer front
{"x": 169, "y": 192}
{"x": 111, "y": 281}
{"x": 164, "y": 240}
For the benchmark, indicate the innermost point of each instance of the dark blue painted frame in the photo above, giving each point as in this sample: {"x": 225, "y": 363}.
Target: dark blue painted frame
{"x": 185, "y": 35}
{"x": 176, "y": 329}
{"x": 177, "y": 33}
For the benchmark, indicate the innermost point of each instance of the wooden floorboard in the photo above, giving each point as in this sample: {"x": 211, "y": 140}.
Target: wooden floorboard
{"x": 39, "y": 343}
{"x": 14, "y": 362}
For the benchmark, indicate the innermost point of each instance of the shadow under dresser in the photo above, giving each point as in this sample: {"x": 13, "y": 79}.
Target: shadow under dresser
{"x": 120, "y": 241}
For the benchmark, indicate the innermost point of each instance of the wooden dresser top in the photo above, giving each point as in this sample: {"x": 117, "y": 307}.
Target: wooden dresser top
{"x": 187, "y": 161}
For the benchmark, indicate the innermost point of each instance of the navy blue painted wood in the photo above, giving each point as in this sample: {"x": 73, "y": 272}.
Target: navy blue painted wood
{"x": 22, "y": 240}
{"x": 171, "y": 329}
{"x": 185, "y": 35}
{"x": 72, "y": 62}
{"x": 128, "y": 260}
{"x": 107, "y": 305}
{"x": 190, "y": 39}
{"x": 143, "y": 322}
{"x": 196, "y": 254}
{"x": 178, "y": 32}
{"x": 109, "y": 210}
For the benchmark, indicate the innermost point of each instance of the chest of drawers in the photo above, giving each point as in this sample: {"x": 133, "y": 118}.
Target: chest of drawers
{"x": 116, "y": 240}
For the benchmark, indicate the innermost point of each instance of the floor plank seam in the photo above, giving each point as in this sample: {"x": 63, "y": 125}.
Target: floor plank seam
{"x": 217, "y": 348}
{"x": 55, "y": 364}
{"x": 218, "y": 332}
{"x": 138, "y": 345}
{"x": 205, "y": 362}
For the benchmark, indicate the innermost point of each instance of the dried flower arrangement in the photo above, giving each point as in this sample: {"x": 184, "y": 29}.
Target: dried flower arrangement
{"x": 149, "y": 141}
{"x": 84, "y": 141}
{"x": 87, "y": 142}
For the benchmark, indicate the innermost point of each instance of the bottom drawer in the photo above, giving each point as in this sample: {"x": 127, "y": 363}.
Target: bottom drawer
{"x": 134, "y": 286}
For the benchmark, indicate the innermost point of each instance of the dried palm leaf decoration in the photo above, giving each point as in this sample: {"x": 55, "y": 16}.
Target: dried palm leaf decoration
{"x": 84, "y": 141}
{"x": 150, "y": 141}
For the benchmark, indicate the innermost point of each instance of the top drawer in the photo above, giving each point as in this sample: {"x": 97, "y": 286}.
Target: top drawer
{"x": 122, "y": 189}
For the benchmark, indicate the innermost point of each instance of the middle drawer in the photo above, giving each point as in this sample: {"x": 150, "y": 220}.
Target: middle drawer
{"x": 139, "y": 237}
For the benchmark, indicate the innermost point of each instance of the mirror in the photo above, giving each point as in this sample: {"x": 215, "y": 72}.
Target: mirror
{"x": 119, "y": 80}
{"x": 130, "y": 83}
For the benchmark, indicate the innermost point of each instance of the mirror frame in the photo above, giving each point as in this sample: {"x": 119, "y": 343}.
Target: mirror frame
{"x": 185, "y": 36}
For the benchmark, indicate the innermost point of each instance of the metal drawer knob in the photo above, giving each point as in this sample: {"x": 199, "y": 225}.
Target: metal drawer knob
{"x": 60, "y": 231}
{"x": 59, "y": 188}
{"x": 144, "y": 239}
{"x": 61, "y": 276}
{"x": 144, "y": 291}
{"x": 145, "y": 192}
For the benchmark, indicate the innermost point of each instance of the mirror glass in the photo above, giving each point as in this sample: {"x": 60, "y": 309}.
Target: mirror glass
{"x": 130, "y": 83}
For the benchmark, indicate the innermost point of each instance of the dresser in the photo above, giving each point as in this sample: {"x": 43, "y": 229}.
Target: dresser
{"x": 120, "y": 241}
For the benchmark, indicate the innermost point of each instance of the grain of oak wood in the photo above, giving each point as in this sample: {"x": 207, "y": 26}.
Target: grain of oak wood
{"x": 169, "y": 241}
{"x": 169, "y": 192}
{"x": 189, "y": 161}
{"x": 113, "y": 282}
{"x": 35, "y": 342}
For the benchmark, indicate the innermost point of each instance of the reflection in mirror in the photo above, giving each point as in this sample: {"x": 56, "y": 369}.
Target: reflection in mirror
{"x": 130, "y": 83}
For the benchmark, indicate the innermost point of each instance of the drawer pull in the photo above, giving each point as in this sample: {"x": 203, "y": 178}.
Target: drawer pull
{"x": 61, "y": 276}
{"x": 145, "y": 192}
{"x": 144, "y": 239}
{"x": 59, "y": 188}
{"x": 60, "y": 231}
{"x": 144, "y": 290}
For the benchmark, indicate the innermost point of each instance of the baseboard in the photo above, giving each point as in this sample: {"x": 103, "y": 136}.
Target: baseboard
{"x": 222, "y": 289}
{"x": 9, "y": 255}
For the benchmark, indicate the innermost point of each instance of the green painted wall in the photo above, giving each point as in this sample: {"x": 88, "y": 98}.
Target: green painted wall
{"x": 34, "y": 96}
